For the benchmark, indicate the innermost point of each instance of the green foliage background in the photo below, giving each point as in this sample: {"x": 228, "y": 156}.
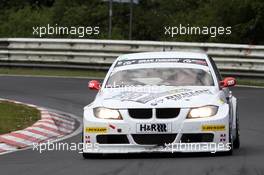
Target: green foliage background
{"x": 246, "y": 17}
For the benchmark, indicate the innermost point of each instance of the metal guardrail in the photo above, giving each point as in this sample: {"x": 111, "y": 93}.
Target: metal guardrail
{"x": 232, "y": 59}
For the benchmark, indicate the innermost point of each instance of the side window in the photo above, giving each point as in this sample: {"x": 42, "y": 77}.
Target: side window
{"x": 218, "y": 75}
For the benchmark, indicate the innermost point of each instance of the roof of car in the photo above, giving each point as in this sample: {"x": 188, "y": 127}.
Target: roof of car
{"x": 177, "y": 54}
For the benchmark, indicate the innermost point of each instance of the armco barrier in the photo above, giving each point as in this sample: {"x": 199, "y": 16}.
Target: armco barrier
{"x": 232, "y": 59}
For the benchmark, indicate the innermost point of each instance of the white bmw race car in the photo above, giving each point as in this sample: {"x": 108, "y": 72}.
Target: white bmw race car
{"x": 161, "y": 102}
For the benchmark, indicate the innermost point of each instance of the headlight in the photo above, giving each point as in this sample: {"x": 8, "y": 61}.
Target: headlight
{"x": 105, "y": 113}
{"x": 206, "y": 111}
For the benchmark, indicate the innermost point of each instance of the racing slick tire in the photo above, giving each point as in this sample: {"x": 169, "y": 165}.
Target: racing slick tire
{"x": 231, "y": 142}
{"x": 237, "y": 139}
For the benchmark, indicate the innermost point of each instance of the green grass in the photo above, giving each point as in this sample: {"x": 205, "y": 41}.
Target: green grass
{"x": 250, "y": 82}
{"x": 16, "y": 116}
{"x": 51, "y": 72}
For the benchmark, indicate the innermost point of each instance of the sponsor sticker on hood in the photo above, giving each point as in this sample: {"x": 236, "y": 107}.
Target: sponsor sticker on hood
{"x": 158, "y": 97}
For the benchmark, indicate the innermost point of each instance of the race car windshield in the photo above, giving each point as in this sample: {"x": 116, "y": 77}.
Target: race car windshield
{"x": 160, "y": 76}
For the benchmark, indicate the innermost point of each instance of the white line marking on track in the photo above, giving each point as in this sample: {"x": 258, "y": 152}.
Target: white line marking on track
{"x": 31, "y": 134}
{"x": 46, "y": 124}
{"x": 44, "y": 131}
{"x": 17, "y": 139}
{"x": 7, "y": 147}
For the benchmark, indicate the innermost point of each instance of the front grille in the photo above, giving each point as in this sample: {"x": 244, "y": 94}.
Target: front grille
{"x": 167, "y": 112}
{"x": 140, "y": 113}
{"x": 112, "y": 139}
{"x": 192, "y": 138}
{"x": 154, "y": 139}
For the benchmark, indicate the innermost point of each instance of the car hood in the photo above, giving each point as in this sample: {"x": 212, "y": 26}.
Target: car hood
{"x": 161, "y": 97}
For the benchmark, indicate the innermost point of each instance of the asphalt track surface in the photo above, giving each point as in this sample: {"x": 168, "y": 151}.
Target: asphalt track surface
{"x": 70, "y": 95}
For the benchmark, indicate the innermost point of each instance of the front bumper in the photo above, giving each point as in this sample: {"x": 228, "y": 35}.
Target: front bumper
{"x": 184, "y": 148}
{"x": 186, "y": 135}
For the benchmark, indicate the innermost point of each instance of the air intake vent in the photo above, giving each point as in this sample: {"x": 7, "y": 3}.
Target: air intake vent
{"x": 167, "y": 112}
{"x": 112, "y": 139}
{"x": 140, "y": 113}
{"x": 154, "y": 139}
{"x": 192, "y": 138}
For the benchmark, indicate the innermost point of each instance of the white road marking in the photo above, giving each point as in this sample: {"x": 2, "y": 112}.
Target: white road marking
{"x": 44, "y": 131}
{"x": 31, "y": 134}
{"x": 17, "y": 139}
{"x": 7, "y": 147}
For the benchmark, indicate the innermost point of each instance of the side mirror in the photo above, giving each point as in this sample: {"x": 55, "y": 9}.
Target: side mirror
{"x": 94, "y": 85}
{"x": 228, "y": 82}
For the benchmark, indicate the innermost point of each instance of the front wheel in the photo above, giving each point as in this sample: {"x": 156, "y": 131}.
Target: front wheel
{"x": 237, "y": 139}
{"x": 231, "y": 143}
